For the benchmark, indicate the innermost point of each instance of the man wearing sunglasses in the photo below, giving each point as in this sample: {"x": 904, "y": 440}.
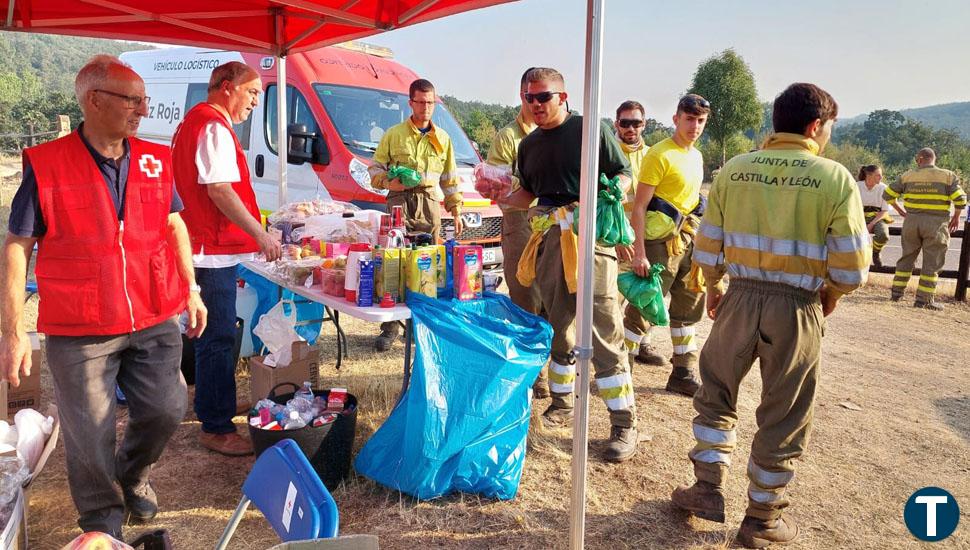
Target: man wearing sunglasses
{"x": 665, "y": 215}
{"x": 515, "y": 220}
{"x": 114, "y": 269}
{"x": 419, "y": 145}
{"x": 629, "y": 124}
{"x": 548, "y": 167}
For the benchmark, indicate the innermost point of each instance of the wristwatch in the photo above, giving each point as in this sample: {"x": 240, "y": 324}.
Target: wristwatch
{"x": 195, "y": 288}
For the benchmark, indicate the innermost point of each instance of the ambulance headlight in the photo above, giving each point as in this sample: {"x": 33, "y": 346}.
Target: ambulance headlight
{"x": 358, "y": 171}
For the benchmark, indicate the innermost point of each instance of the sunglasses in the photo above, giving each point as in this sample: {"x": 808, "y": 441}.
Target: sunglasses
{"x": 693, "y": 101}
{"x": 630, "y": 123}
{"x": 541, "y": 97}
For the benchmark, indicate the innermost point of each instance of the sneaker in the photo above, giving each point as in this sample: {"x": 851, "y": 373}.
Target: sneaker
{"x": 702, "y": 499}
{"x": 230, "y": 444}
{"x": 557, "y": 417}
{"x": 622, "y": 445}
{"x": 141, "y": 504}
{"x": 683, "y": 383}
{"x": 931, "y": 305}
{"x": 648, "y": 355}
{"x": 759, "y": 533}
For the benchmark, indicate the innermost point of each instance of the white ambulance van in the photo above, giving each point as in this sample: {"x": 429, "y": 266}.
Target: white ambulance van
{"x": 341, "y": 98}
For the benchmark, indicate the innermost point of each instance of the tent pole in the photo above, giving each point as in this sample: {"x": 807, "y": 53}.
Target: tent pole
{"x": 282, "y": 143}
{"x": 588, "y": 179}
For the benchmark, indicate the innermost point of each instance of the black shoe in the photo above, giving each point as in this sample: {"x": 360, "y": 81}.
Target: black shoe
{"x": 895, "y": 297}
{"x": 622, "y": 445}
{"x": 141, "y": 503}
{"x": 876, "y": 261}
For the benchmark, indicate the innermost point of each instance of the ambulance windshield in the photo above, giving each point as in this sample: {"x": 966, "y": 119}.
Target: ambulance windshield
{"x": 362, "y": 115}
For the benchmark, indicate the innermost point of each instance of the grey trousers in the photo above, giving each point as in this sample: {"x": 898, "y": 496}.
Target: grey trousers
{"x": 85, "y": 368}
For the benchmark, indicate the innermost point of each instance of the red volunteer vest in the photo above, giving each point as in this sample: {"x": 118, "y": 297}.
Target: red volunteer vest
{"x": 208, "y": 226}
{"x": 94, "y": 275}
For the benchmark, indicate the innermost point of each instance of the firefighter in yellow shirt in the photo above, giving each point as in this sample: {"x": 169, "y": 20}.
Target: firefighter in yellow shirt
{"x": 515, "y": 221}
{"x": 664, "y": 217}
{"x": 928, "y": 193}
{"x": 788, "y": 227}
{"x": 421, "y": 146}
{"x": 629, "y": 124}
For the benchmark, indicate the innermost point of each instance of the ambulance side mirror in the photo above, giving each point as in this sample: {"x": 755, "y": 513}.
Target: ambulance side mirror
{"x": 305, "y": 146}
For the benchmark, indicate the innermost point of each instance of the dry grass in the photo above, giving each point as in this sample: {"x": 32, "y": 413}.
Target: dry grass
{"x": 905, "y": 367}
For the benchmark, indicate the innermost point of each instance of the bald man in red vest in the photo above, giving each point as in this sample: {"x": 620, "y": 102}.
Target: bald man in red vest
{"x": 114, "y": 270}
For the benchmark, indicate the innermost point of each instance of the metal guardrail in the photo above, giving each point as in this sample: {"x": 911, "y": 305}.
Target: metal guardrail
{"x": 961, "y": 274}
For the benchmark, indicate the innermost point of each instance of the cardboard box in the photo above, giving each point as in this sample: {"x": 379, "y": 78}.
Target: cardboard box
{"x": 14, "y": 534}
{"x": 27, "y": 394}
{"x": 304, "y": 366}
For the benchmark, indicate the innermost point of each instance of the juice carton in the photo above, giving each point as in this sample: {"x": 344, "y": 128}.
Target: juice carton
{"x": 468, "y": 272}
{"x": 364, "y": 294}
{"x": 422, "y": 271}
{"x": 389, "y": 280}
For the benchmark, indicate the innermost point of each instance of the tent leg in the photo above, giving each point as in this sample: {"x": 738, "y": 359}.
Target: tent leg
{"x": 283, "y": 143}
{"x": 233, "y": 523}
{"x": 584, "y": 297}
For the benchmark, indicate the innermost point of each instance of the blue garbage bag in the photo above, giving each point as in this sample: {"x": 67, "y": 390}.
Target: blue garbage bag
{"x": 463, "y": 422}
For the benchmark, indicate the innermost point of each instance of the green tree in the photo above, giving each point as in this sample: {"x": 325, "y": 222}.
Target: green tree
{"x": 727, "y": 82}
{"x": 851, "y": 155}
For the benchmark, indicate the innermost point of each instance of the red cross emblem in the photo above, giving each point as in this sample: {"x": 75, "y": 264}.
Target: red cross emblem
{"x": 150, "y": 166}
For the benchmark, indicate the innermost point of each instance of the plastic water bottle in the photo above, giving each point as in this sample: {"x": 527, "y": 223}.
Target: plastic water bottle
{"x": 294, "y": 422}
{"x": 306, "y": 392}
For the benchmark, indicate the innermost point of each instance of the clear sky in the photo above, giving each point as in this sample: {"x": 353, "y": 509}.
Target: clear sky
{"x": 869, "y": 54}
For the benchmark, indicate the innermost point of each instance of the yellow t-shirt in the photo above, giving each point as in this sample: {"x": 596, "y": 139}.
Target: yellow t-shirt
{"x": 677, "y": 173}
{"x": 635, "y": 156}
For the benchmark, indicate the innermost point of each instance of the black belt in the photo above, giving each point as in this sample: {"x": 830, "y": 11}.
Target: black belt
{"x": 665, "y": 207}
{"x": 872, "y": 209}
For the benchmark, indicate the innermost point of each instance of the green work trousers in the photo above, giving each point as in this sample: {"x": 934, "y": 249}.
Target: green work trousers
{"x": 927, "y": 233}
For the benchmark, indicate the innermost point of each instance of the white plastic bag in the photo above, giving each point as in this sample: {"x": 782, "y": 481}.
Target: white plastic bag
{"x": 32, "y": 431}
{"x": 277, "y": 330}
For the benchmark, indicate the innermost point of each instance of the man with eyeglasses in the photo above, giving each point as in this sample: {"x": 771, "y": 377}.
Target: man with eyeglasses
{"x": 114, "y": 270}
{"x": 629, "y": 124}
{"x": 548, "y": 168}
{"x": 419, "y": 145}
{"x": 212, "y": 177}
{"x": 515, "y": 220}
{"x": 665, "y": 215}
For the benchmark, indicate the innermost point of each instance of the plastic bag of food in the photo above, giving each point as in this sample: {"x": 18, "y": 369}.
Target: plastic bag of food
{"x": 298, "y": 212}
{"x": 407, "y": 176}
{"x": 493, "y": 182}
{"x": 646, "y": 294}
{"x": 612, "y": 227}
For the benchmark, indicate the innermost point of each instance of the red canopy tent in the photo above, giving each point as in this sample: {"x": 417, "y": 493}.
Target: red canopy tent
{"x": 279, "y": 27}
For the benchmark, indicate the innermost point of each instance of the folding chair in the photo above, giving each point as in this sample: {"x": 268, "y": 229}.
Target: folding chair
{"x": 290, "y": 495}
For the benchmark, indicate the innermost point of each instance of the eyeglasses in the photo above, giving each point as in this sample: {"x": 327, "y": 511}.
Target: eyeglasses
{"x": 133, "y": 101}
{"x": 693, "y": 101}
{"x": 541, "y": 97}
{"x": 630, "y": 123}
{"x": 422, "y": 103}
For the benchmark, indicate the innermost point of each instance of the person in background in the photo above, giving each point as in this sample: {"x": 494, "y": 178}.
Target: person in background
{"x": 212, "y": 177}
{"x": 515, "y": 220}
{"x": 876, "y": 208}
{"x": 928, "y": 193}
{"x": 419, "y": 145}
{"x": 114, "y": 270}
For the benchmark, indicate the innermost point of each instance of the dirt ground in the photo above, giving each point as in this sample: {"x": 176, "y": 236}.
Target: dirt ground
{"x": 905, "y": 368}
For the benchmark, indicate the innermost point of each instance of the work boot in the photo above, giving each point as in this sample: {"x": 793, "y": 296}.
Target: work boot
{"x": 683, "y": 381}
{"x": 896, "y": 296}
{"x": 141, "y": 504}
{"x": 876, "y": 261}
{"x": 931, "y": 305}
{"x": 622, "y": 445}
{"x": 702, "y": 499}
{"x": 759, "y": 533}
{"x": 389, "y": 333}
{"x": 540, "y": 390}
{"x": 648, "y": 355}
{"x": 557, "y": 417}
